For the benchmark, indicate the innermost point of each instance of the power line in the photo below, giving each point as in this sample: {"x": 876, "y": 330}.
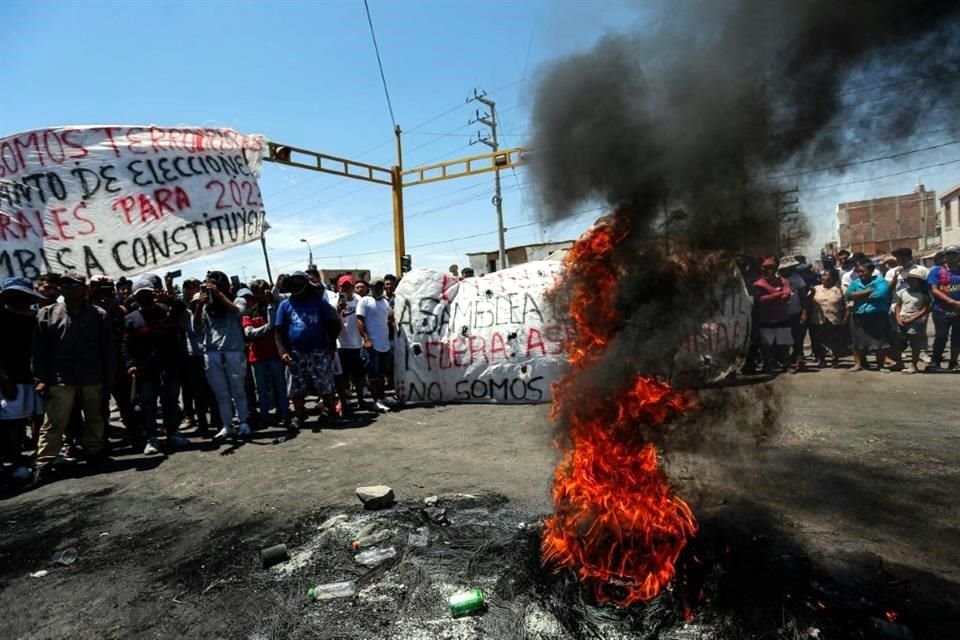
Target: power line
{"x": 875, "y": 178}
{"x": 383, "y": 78}
{"x": 865, "y": 161}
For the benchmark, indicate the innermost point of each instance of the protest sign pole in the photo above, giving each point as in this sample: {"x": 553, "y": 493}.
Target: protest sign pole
{"x": 266, "y": 256}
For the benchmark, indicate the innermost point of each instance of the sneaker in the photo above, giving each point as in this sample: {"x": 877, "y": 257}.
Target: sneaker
{"x": 71, "y": 453}
{"x": 187, "y": 422}
{"x": 380, "y": 406}
{"x": 911, "y": 369}
{"x": 177, "y": 440}
{"x": 244, "y": 430}
{"x": 294, "y": 425}
{"x": 223, "y": 434}
{"x": 152, "y": 448}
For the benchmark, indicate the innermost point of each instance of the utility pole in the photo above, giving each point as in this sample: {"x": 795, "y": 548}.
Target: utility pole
{"x": 399, "y": 239}
{"x": 490, "y": 120}
{"x": 787, "y": 214}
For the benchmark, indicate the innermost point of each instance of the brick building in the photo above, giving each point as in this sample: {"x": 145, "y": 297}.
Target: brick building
{"x": 949, "y": 216}
{"x": 879, "y": 226}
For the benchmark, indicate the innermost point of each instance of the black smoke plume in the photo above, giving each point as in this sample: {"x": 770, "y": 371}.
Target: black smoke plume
{"x": 684, "y": 127}
{"x": 699, "y": 113}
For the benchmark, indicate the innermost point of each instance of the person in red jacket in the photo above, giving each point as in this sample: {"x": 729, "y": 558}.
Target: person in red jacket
{"x": 771, "y": 293}
{"x": 264, "y": 358}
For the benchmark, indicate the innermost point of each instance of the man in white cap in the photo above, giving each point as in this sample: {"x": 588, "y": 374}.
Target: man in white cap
{"x": 19, "y": 402}
{"x": 74, "y": 355}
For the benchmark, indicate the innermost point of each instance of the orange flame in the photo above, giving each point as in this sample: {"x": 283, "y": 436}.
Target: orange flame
{"x": 615, "y": 519}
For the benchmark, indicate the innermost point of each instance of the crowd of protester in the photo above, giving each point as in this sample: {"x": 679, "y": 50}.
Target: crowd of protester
{"x": 856, "y": 305}
{"x": 222, "y": 358}
{"x": 217, "y": 357}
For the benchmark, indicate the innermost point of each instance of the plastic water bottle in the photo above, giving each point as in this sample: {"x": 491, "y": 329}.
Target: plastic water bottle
{"x": 373, "y": 557}
{"x": 332, "y": 590}
{"x": 373, "y": 539}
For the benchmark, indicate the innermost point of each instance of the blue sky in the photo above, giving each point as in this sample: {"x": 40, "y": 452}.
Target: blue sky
{"x": 305, "y": 73}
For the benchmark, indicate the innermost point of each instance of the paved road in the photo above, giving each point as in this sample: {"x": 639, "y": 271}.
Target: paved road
{"x": 856, "y": 468}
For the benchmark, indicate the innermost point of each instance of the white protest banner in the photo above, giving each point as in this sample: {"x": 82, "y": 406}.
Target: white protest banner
{"x": 487, "y": 339}
{"x": 121, "y": 200}
{"x": 720, "y": 346}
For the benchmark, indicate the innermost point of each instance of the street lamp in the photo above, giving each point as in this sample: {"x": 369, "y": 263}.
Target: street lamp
{"x": 263, "y": 244}
{"x": 309, "y": 250}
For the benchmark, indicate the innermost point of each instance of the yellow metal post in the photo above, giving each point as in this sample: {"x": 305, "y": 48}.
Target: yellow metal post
{"x": 399, "y": 242}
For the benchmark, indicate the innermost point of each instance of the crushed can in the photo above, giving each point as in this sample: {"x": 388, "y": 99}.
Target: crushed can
{"x": 463, "y": 603}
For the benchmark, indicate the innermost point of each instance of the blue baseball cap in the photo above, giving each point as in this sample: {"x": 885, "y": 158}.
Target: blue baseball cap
{"x": 20, "y": 285}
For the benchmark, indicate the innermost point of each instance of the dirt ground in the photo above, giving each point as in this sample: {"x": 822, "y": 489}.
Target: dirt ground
{"x": 858, "y": 472}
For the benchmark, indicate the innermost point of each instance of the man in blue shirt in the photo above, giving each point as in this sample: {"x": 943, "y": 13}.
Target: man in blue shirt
{"x": 944, "y": 281}
{"x": 306, "y": 330}
{"x": 870, "y": 295}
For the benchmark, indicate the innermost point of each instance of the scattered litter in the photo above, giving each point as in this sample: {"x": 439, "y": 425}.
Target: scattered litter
{"x": 377, "y": 496}
{"x": 431, "y": 501}
{"x": 373, "y": 557}
{"x": 66, "y": 557}
{"x": 373, "y": 539}
{"x": 104, "y": 534}
{"x": 332, "y": 590}
{"x": 274, "y": 555}
{"x": 39, "y": 574}
{"x": 332, "y": 522}
{"x": 367, "y": 530}
{"x": 464, "y": 603}
{"x": 418, "y": 538}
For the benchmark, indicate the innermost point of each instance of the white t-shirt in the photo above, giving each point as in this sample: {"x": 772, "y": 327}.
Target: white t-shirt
{"x": 897, "y": 279}
{"x": 846, "y": 278}
{"x": 911, "y": 301}
{"x": 375, "y": 313}
{"x": 350, "y": 334}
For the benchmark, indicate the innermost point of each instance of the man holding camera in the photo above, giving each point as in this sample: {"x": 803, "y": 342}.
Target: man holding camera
{"x": 217, "y": 322}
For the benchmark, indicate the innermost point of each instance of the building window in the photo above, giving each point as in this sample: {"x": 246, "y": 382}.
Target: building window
{"x": 948, "y": 214}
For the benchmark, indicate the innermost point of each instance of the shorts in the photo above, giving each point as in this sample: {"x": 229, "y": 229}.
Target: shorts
{"x": 377, "y": 363}
{"x": 351, "y": 363}
{"x": 26, "y": 405}
{"x": 312, "y": 371}
{"x": 916, "y": 328}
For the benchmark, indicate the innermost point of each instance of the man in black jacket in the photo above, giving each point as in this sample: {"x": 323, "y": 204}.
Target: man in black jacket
{"x": 153, "y": 351}
{"x": 74, "y": 356}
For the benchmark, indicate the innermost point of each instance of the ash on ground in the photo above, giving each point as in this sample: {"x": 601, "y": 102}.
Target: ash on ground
{"x": 471, "y": 542}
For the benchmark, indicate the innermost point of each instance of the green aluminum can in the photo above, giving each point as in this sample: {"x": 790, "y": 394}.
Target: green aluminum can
{"x": 464, "y": 603}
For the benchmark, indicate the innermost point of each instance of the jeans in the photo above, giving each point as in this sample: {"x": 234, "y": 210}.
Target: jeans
{"x": 943, "y": 325}
{"x": 227, "y": 374}
{"x": 166, "y": 385}
{"x": 58, "y": 405}
{"x": 271, "y": 381}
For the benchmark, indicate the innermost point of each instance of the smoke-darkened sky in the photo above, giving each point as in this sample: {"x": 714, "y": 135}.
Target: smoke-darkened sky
{"x": 711, "y": 106}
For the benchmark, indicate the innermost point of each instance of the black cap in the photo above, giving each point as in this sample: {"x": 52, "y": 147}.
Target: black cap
{"x": 73, "y": 276}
